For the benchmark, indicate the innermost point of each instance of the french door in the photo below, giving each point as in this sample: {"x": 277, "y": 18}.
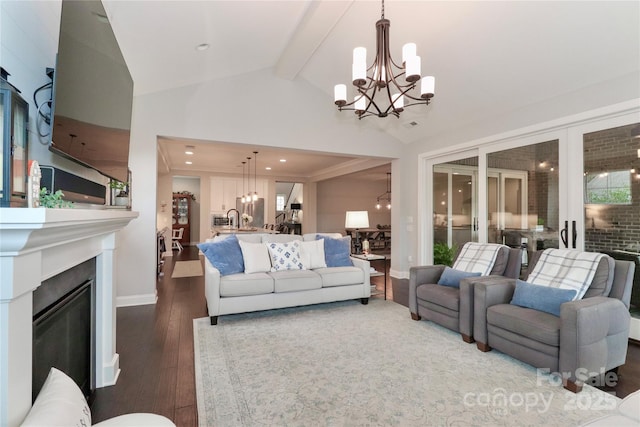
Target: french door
{"x": 603, "y": 212}
{"x": 575, "y": 186}
{"x": 583, "y": 193}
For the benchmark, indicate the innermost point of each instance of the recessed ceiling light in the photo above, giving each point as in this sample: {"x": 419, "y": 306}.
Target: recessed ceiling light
{"x": 188, "y": 152}
{"x": 268, "y": 168}
{"x": 283, "y": 160}
{"x": 202, "y": 46}
{"x": 188, "y": 162}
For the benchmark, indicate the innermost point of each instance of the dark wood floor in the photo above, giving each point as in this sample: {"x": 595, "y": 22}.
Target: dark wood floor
{"x": 155, "y": 343}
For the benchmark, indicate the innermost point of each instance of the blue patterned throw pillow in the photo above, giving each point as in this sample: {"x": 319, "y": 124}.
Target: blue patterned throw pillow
{"x": 285, "y": 256}
{"x": 224, "y": 255}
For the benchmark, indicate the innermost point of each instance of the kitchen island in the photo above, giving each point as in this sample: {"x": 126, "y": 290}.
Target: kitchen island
{"x": 216, "y": 231}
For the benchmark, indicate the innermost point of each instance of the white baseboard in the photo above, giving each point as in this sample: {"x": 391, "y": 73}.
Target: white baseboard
{"x": 110, "y": 372}
{"x": 398, "y": 274}
{"x": 133, "y": 300}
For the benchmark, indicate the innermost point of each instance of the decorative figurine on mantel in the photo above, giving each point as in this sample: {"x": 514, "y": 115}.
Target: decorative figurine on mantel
{"x": 33, "y": 191}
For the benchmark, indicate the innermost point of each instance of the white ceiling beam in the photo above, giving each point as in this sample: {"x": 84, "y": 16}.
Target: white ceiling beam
{"x": 318, "y": 21}
{"x": 346, "y": 168}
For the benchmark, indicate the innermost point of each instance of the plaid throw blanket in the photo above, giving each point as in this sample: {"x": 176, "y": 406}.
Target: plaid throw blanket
{"x": 477, "y": 257}
{"x": 566, "y": 269}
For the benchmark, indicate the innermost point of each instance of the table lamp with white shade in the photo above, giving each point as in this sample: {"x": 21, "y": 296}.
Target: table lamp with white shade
{"x": 357, "y": 220}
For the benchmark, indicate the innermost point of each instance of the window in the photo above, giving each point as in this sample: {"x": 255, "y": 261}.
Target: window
{"x": 279, "y": 202}
{"x": 608, "y": 188}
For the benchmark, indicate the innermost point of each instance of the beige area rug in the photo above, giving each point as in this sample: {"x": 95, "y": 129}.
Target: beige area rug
{"x": 187, "y": 269}
{"x": 347, "y": 364}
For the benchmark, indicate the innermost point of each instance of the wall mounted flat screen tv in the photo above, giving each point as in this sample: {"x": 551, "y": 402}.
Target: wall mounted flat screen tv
{"x": 92, "y": 93}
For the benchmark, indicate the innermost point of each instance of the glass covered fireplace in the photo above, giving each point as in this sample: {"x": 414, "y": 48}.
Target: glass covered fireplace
{"x": 64, "y": 327}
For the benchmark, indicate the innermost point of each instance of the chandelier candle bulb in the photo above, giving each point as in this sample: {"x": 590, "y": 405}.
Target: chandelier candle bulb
{"x": 412, "y": 69}
{"x": 408, "y": 51}
{"x": 360, "y": 103}
{"x": 359, "y": 73}
{"x": 427, "y": 87}
{"x": 398, "y": 102}
{"x": 360, "y": 55}
{"x": 340, "y": 94}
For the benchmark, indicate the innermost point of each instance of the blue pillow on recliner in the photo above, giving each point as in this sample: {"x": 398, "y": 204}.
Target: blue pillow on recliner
{"x": 542, "y": 298}
{"x": 451, "y": 277}
{"x": 225, "y": 255}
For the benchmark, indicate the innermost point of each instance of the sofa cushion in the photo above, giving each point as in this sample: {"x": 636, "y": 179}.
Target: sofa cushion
{"x": 256, "y": 257}
{"x": 280, "y": 238}
{"x": 224, "y": 255}
{"x": 236, "y": 285}
{"x": 340, "y": 276}
{"x": 337, "y": 251}
{"x": 295, "y": 280}
{"x": 313, "y": 254}
{"x": 534, "y": 324}
{"x": 314, "y": 236}
{"x": 245, "y": 237}
{"x": 451, "y": 277}
{"x": 444, "y": 296}
{"x": 543, "y": 298}
{"x": 285, "y": 256}
{"x": 60, "y": 402}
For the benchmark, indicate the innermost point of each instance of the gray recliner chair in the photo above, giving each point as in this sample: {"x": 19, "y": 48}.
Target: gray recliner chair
{"x": 449, "y": 306}
{"x": 588, "y": 338}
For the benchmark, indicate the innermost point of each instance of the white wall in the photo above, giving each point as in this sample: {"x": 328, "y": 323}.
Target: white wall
{"x": 338, "y": 195}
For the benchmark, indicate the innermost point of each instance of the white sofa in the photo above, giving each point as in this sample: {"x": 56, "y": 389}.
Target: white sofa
{"x": 242, "y": 292}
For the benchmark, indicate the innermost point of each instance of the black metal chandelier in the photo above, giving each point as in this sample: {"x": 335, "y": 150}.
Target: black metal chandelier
{"x": 385, "y": 78}
{"x": 386, "y": 195}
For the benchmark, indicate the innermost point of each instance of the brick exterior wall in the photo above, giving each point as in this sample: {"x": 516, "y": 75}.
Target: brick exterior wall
{"x": 610, "y": 227}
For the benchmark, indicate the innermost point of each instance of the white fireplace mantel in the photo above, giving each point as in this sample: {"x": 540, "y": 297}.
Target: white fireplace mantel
{"x": 36, "y": 244}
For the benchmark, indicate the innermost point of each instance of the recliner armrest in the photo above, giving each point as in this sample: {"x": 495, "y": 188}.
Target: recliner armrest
{"x": 488, "y": 291}
{"x": 418, "y": 276}
{"x": 594, "y": 336}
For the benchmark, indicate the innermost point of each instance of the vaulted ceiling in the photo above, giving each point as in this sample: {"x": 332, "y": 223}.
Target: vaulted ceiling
{"x": 488, "y": 57}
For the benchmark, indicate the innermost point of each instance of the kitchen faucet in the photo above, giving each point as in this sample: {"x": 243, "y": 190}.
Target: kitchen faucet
{"x": 235, "y": 219}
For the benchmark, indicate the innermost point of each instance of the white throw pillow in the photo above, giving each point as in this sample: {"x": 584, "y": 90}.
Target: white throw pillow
{"x": 256, "y": 257}
{"x": 285, "y": 256}
{"x": 59, "y": 403}
{"x": 312, "y": 253}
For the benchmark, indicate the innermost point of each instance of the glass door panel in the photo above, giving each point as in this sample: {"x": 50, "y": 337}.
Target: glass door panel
{"x": 455, "y": 203}
{"x": 611, "y": 183}
{"x": 522, "y": 197}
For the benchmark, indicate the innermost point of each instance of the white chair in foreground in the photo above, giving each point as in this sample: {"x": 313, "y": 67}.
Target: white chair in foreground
{"x": 176, "y": 236}
{"x": 627, "y": 414}
{"x": 61, "y": 403}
